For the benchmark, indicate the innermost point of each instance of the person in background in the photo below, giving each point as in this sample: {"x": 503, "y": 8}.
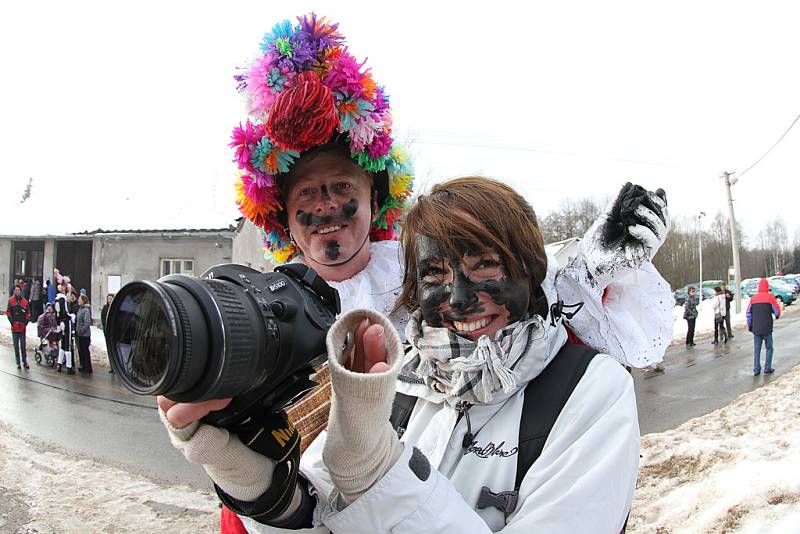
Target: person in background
{"x": 690, "y": 314}
{"x": 19, "y": 315}
{"x": 762, "y": 308}
{"x": 103, "y": 317}
{"x": 83, "y": 331}
{"x": 51, "y": 292}
{"x": 66, "y": 322}
{"x": 728, "y": 299}
{"x": 36, "y": 300}
{"x": 718, "y": 305}
{"x": 26, "y": 289}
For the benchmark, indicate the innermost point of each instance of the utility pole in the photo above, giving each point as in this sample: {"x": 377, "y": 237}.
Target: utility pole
{"x": 700, "y": 250}
{"x": 726, "y": 176}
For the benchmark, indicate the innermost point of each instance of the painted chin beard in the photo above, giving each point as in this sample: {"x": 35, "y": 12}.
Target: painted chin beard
{"x": 332, "y": 247}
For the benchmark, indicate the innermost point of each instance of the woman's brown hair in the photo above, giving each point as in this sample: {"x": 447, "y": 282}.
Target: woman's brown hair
{"x": 508, "y": 226}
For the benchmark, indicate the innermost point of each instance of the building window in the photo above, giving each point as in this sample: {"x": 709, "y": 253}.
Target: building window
{"x": 20, "y": 263}
{"x": 176, "y": 266}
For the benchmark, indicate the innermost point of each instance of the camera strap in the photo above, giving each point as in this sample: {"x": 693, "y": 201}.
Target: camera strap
{"x": 309, "y": 278}
{"x": 274, "y": 436}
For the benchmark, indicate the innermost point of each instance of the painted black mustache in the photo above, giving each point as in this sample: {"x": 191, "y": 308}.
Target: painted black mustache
{"x": 310, "y": 219}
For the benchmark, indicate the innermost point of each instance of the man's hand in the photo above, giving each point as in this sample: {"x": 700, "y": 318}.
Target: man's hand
{"x": 370, "y": 349}
{"x": 627, "y": 234}
{"x": 180, "y": 414}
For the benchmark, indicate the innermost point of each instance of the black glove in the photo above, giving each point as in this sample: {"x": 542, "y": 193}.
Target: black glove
{"x": 627, "y": 234}
{"x": 623, "y": 214}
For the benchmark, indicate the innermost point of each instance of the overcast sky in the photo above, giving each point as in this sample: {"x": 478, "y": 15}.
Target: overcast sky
{"x": 127, "y": 107}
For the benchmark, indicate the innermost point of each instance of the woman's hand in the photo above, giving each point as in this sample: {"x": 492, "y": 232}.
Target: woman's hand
{"x": 180, "y": 414}
{"x": 370, "y": 349}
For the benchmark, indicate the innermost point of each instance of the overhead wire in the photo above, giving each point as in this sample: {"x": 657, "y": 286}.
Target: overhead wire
{"x": 739, "y": 175}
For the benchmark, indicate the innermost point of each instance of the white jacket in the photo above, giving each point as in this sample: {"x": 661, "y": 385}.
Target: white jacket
{"x": 583, "y": 481}
{"x": 718, "y": 305}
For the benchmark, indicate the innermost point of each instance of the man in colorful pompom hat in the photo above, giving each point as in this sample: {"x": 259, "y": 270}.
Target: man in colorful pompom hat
{"x": 321, "y": 176}
{"x": 319, "y": 171}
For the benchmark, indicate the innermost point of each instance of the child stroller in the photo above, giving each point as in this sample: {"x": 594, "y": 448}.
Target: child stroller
{"x": 47, "y": 349}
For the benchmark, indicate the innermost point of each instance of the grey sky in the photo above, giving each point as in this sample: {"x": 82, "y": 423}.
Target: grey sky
{"x": 127, "y": 107}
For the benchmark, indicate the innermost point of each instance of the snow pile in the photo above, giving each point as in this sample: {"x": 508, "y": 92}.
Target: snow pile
{"x": 705, "y": 319}
{"x": 733, "y": 470}
{"x": 47, "y": 491}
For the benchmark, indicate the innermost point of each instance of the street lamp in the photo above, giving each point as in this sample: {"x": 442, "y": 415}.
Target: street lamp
{"x": 700, "y": 249}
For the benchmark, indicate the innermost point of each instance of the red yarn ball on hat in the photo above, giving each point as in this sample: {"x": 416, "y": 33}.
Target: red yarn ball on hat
{"x": 303, "y": 116}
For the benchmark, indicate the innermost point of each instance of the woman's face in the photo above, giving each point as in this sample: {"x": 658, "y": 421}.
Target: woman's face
{"x": 109, "y": 298}
{"x": 472, "y": 295}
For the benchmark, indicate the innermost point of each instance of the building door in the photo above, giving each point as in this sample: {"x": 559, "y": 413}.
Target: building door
{"x": 28, "y": 260}
{"x": 74, "y": 259}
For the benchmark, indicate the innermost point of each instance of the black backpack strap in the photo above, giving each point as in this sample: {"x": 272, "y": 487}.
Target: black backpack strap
{"x": 545, "y": 397}
{"x": 402, "y": 407}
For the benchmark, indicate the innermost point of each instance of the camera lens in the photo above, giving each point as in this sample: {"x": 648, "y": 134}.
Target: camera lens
{"x": 157, "y": 338}
{"x": 145, "y": 337}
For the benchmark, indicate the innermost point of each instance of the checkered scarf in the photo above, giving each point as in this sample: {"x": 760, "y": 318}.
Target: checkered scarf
{"x": 472, "y": 371}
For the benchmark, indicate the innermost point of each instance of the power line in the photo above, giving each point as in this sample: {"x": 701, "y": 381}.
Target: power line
{"x": 739, "y": 175}
{"x": 522, "y": 148}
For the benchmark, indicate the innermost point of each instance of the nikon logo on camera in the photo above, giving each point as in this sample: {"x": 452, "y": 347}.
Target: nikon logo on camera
{"x": 283, "y": 435}
{"x": 277, "y": 285}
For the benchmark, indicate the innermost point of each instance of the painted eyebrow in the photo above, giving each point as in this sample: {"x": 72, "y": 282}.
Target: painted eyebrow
{"x": 434, "y": 261}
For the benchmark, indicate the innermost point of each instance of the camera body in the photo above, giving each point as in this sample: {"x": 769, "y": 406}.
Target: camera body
{"x": 231, "y": 332}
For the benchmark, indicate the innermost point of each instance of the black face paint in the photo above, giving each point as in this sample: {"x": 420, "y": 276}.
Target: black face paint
{"x": 350, "y": 208}
{"x": 309, "y": 219}
{"x": 462, "y": 293}
{"x": 332, "y": 250}
{"x": 332, "y": 247}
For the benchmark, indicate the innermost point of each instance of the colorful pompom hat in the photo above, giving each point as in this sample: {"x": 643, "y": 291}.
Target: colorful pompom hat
{"x": 306, "y": 90}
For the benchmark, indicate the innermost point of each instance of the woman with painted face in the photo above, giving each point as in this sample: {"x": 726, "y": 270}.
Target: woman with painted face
{"x": 486, "y": 350}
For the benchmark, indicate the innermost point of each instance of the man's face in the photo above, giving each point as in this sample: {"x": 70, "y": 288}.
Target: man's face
{"x": 471, "y": 295}
{"x": 329, "y": 209}
{"x": 691, "y": 292}
{"x": 17, "y": 292}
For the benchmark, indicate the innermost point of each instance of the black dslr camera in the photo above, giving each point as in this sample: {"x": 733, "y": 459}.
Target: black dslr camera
{"x": 232, "y": 332}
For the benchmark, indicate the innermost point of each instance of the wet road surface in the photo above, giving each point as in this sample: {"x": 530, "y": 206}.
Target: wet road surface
{"x": 700, "y": 379}
{"x": 92, "y": 416}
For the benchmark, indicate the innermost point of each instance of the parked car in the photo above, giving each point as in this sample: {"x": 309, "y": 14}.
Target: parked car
{"x": 793, "y": 282}
{"x": 680, "y": 294}
{"x": 711, "y": 284}
{"x": 781, "y": 291}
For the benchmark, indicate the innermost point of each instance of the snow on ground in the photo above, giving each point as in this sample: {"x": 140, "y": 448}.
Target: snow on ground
{"x": 733, "y": 470}
{"x": 49, "y": 491}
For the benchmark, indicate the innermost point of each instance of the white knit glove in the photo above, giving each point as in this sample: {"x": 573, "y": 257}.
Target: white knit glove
{"x": 240, "y": 472}
{"x": 361, "y": 445}
{"x": 627, "y": 234}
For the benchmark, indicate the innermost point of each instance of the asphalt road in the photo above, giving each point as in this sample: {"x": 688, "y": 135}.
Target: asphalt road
{"x": 698, "y": 380}
{"x": 92, "y": 416}
{"x": 96, "y": 417}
